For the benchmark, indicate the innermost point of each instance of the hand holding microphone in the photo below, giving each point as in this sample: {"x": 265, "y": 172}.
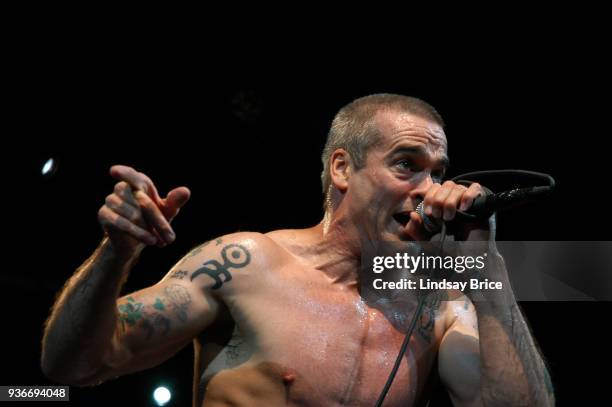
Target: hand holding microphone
{"x": 475, "y": 203}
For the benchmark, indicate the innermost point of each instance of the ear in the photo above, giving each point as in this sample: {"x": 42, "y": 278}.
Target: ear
{"x": 340, "y": 169}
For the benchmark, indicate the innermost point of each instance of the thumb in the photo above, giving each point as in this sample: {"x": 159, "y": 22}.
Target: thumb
{"x": 174, "y": 201}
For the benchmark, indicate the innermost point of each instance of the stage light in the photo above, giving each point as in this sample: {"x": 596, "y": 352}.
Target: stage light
{"x": 161, "y": 395}
{"x": 49, "y": 167}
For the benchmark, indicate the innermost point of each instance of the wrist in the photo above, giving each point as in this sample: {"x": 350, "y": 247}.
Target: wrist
{"x": 121, "y": 255}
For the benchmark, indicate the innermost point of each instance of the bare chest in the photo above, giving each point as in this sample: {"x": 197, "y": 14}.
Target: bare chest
{"x": 321, "y": 345}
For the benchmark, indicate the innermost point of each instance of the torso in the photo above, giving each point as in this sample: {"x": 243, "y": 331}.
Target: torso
{"x": 296, "y": 339}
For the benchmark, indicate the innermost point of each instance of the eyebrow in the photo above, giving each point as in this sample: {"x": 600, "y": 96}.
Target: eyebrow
{"x": 418, "y": 150}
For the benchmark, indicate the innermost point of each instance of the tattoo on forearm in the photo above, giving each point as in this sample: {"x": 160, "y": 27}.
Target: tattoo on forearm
{"x": 240, "y": 258}
{"x": 427, "y": 320}
{"x": 234, "y": 349}
{"x": 525, "y": 363}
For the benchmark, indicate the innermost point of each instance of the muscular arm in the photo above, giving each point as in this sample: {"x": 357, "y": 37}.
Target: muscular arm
{"x": 91, "y": 335}
{"x": 494, "y": 361}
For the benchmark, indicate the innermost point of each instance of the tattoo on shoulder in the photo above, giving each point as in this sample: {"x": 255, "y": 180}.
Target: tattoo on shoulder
{"x": 199, "y": 248}
{"x": 178, "y": 274}
{"x": 240, "y": 257}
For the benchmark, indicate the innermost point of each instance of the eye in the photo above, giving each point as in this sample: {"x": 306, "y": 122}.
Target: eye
{"x": 405, "y": 164}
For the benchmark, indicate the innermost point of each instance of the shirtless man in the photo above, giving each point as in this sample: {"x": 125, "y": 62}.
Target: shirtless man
{"x": 281, "y": 318}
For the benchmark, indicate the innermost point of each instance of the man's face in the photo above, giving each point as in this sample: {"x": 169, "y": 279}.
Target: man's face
{"x": 399, "y": 170}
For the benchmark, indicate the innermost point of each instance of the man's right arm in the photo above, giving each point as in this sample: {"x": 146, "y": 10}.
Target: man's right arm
{"x": 81, "y": 333}
{"x": 92, "y": 335}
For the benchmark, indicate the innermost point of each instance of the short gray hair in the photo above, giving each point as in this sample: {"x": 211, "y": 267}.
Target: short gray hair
{"x": 353, "y": 127}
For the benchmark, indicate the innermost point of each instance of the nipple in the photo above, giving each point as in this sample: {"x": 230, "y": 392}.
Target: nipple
{"x": 288, "y": 377}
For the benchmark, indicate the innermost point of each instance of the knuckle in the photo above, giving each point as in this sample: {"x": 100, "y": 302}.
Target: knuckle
{"x": 122, "y": 223}
{"x": 120, "y": 186}
{"x": 111, "y": 200}
{"x": 449, "y": 206}
{"x": 135, "y": 217}
{"x": 467, "y": 199}
{"x": 142, "y": 198}
{"x": 437, "y": 203}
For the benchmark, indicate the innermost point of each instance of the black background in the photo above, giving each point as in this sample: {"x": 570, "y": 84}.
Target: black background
{"x": 241, "y": 120}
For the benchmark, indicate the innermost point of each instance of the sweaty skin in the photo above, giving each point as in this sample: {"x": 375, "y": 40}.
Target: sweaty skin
{"x": 300, "y": 338}
{"x": 305, "y": 334}
{"x": 284, "y": 318}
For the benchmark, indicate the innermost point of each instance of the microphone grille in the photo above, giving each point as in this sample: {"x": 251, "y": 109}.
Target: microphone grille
{"x": 431, "y": 225}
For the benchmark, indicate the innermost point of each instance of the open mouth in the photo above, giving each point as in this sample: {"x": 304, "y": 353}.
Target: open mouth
{"x": 402, "y": 218}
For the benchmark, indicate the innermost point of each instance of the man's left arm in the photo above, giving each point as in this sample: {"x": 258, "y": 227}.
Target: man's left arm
{"x": 489, "y": 357}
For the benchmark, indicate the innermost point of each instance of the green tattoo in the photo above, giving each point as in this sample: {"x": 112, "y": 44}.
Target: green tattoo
{"x": 159, "y": 305}
{"x": 130, "y": 312}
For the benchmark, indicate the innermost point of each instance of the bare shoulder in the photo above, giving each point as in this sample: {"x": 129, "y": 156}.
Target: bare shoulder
{"x": 231, "y": 258}
{"x": 295, "y": 241}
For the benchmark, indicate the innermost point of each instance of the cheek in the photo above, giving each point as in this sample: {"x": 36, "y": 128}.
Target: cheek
{"x": 398, "y": 188}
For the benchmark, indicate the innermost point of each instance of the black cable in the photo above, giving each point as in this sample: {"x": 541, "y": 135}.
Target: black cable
{"x": 417, "y": 313}
{"x": 415, "y": 318}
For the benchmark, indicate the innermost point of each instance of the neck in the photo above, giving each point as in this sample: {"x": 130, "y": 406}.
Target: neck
{"x": 338, "y": 248}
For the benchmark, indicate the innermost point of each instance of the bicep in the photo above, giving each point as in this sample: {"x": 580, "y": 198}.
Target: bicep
{"x": 156, "y": 322}
{"x": 459, "y": 356}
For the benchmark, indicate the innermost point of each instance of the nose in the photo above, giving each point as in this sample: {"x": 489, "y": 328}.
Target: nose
{"x": 423, "y": 184}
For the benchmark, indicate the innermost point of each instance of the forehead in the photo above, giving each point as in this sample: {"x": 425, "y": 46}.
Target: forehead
{"x": 409, "y": 130}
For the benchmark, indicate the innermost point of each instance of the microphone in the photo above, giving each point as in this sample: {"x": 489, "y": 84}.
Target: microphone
{"x": 485, "y": 205}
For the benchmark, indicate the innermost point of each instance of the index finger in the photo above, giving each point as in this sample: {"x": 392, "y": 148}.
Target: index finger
{"x": 136, "y": 180}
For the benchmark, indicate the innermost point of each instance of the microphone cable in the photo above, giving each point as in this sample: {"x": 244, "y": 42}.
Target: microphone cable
{"x": 417, "y": 313}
